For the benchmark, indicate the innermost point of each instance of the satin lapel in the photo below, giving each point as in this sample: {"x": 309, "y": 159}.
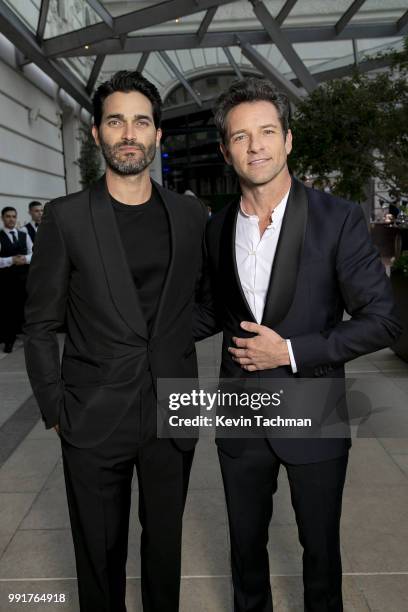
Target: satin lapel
{"x": 282, "y": 283}
{"x": 229, "y": 262}
{"x": 169, "y": 283}
{"x": 118, "y": 275}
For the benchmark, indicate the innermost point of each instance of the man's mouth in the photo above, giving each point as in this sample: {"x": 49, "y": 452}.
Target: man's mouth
{"x": 129, "y": 148}
{"x": 258, "y": 162}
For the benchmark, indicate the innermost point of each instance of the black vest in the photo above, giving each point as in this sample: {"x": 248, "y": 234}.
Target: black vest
{"x": 31, "y": 231}
{"x": 9, "y": 249}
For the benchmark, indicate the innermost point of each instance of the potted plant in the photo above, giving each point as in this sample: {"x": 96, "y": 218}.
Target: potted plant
{"x": 399, "y": 281}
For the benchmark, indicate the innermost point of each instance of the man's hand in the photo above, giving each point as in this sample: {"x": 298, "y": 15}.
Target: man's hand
{"x": 265, "y": 351}
{"x": 19, "y": 260}
{"x": 57, "y": 429}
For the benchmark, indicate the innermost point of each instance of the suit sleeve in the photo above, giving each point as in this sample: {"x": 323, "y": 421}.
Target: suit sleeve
{"x": 205, "y": 318}
{"x": 47, "y": 289}
{"x": 367, "y": 297}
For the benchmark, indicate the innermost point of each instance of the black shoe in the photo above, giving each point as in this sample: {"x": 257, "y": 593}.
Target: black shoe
{"x": 8, "y": 347}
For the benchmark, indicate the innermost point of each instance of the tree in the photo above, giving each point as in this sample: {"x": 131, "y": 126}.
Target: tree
{"x": 89, "y": 162}
{"x": 349, "y": 130}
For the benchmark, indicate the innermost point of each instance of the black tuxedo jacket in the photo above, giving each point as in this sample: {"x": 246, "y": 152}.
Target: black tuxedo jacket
{"x": 324, "y": 264}
{"x": 79, "y": 277}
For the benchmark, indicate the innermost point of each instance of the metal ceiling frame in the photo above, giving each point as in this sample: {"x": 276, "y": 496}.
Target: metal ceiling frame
{"x": 348, "y": 15}
{"x": 174, "y": 42}
{"x": 26, "y": 42}
{"x": 266, "y": 68}
{"x": 285, "y": 10}
{"x": 102, "y": 12}
{"x": 286, "y": 49}
{"x": 173, "y": 68}
{"x": 233, "y": 63}
{"x": 109, "y": 37}
{"x": 130, "y": 22}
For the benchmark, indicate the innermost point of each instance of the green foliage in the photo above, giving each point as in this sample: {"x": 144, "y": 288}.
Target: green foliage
{"x": 356, "y": 128}
{"x": 401, "y": 264}
{"x": 89, "y": 162}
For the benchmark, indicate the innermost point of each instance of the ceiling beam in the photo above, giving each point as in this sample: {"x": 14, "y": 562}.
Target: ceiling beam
{"x": 180, "y": 77}
{"x": 181, "y": 110}
{"x": 130, "y": 22}
{"x": 262, "y": 64}
{"x": 402, "y": 24}
{"x": 173, "y": 42}
{"x": 206, "y": 22}
{"x": 96, "y": 69}
{"x": 143, "y": 61}
{"x": 286, "y": 49}
{"x": 364, "y": 65}
{"x": 42, "y": 19}
{"x": 348, "y": 15}
{"x": 285, "y": 10}
{"x": 21, "y": 37}
{"x": 101, "y": 11}
{"x": 233, "y": 63}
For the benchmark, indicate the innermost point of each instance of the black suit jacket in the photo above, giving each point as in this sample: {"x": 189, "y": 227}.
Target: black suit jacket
{"x": 79, "y": 277}
{"x": 324, "y": 264}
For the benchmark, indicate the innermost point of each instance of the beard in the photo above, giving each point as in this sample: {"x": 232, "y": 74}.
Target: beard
{"x": 127, "y": 164}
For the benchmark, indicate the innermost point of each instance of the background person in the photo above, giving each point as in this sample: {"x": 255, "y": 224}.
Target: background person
{"x": 15, "y": 256}
{"x": 35, "y": 210}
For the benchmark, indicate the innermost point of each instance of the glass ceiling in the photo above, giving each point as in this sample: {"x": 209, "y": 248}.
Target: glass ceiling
{"x": 310, "y": 26}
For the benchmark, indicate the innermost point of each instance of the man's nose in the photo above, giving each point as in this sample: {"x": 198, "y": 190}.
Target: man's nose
{"x": 129, "y": 131}
{"x": 255, "y": 143}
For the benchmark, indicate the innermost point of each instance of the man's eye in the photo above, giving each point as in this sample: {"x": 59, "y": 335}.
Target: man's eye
{"x": 239, "y": 137}
{"x": 113, "y": 122}
{"x": 143, "y": 123}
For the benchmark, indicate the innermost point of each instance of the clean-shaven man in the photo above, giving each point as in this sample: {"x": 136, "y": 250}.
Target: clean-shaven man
{"x": 35, "y": 210}
{"x": 284, "y": 263}
{"x": 118, "y": 263}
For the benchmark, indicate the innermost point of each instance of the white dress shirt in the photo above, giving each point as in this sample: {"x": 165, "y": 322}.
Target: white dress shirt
{"x": 33, "y": 225}
{"x": 6, "y": 262}
{"x": 254, "y": 256}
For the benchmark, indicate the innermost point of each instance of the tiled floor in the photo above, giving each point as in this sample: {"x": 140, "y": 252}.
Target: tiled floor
{"x": 36, "y": 553}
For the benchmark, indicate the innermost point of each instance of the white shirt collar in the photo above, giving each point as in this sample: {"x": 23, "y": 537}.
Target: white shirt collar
{"x": 277, "y": 214}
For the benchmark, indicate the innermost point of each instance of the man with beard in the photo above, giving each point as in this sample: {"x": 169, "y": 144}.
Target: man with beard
{"x": 118, "y": 263}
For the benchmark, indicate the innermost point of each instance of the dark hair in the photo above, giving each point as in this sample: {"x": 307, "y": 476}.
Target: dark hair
{"x": 126, "y": 81}
{"x": 33, "y": 204}
{"x": 251, "y": 89}
{"x": 7, "y": 209}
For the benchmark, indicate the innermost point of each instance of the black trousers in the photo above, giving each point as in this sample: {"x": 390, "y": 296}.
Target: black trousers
{"x": 13, "y": 295}
{"x": 250, "y": 481}
{"x": 98, "y": 483}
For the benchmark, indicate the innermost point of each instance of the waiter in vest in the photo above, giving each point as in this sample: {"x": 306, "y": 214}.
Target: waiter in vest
{"x": 35, "y": 210}
{"x": 15, "y": 255}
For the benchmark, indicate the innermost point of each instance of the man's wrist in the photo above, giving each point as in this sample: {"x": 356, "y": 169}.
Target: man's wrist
{"x": 284, "y": 356}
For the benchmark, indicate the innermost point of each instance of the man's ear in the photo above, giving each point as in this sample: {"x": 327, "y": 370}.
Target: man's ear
{"x": 225, "y": 153}
{"x": 159, "y": 134}
{"x": 95, "y": 134}
{"x": 288, "y": 142}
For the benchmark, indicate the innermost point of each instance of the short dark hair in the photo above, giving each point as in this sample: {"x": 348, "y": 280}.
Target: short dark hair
{"x": 126, "y": 81}
{"x": 7, "y": 209}
{"x": 33, "y": 204}
{"x": 250, "y": 89}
